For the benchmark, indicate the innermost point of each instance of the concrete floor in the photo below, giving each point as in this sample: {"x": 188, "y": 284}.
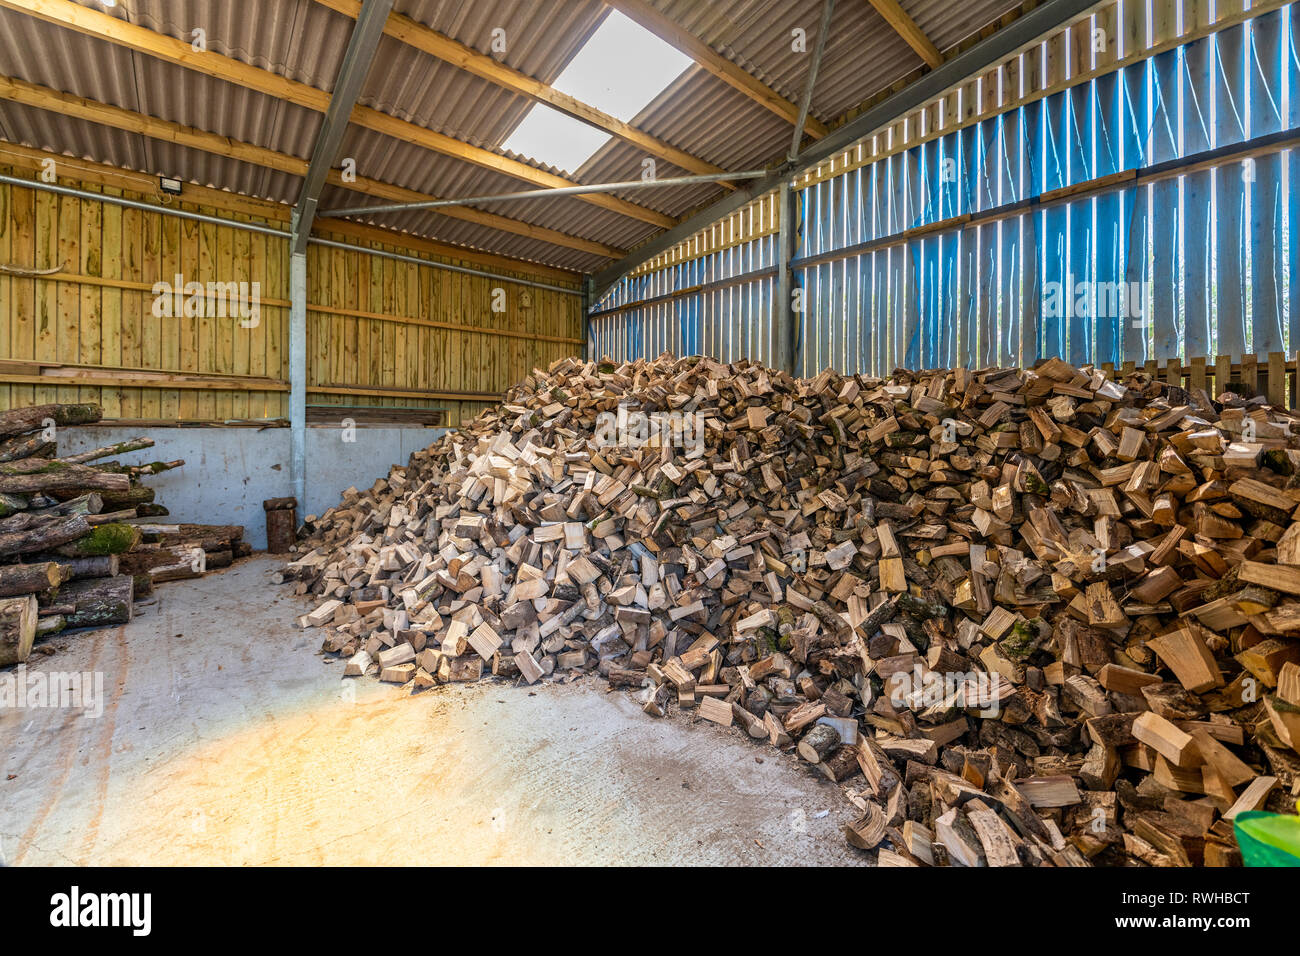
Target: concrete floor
{"x": 225, "y": 738}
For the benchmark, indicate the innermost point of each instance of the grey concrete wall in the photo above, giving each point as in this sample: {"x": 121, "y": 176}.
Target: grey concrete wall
{"x": 229, "y": 472}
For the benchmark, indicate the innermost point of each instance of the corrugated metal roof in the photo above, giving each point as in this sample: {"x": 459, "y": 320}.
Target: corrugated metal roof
{"x": 305, "y": 41}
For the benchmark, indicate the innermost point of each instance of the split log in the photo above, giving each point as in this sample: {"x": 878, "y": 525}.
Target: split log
{"x": 1101, "y": 574}
{"x": 840, "y": 764}
{"x": 818, "y": 743}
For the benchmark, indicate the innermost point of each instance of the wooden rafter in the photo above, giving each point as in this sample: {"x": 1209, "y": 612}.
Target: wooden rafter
{"x": 715, "y": 63}
{"x": 172, "y": 50}
{"x": 65, "y": 104}
{"x": 906, "y": 27}
{"x": 430, "y": 41}
{"x": 82, "y": 172}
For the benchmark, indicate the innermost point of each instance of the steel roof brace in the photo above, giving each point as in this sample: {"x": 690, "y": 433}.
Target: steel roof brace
{"x": 547, "y": 193}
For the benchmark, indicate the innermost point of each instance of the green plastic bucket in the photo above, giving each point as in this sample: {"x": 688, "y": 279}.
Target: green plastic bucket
{"x": 1268, "y": 839}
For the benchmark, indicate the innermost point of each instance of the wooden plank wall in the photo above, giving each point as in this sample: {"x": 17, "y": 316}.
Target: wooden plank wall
{"x": 95, "y": 316}
{"x": 380, "y": 325}
{"x": 380, "y": 332}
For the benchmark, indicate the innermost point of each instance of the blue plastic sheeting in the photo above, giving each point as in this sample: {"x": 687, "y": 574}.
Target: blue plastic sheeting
{"x": 1199, "y": 264}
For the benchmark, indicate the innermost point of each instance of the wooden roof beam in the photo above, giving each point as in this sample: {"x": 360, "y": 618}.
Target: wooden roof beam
{"x": 427, "y": 40}
{"x": 65, "y": 104}
{"x": 93, "y": 23}
{"x": 906, "y": 27}
{"x": 715, "y": 63}
{"x": 84, "y": 171}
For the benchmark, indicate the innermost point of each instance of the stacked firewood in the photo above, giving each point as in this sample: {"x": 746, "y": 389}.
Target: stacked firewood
{"x": 1021, "y": 616}
{"x": 75, "y": 547}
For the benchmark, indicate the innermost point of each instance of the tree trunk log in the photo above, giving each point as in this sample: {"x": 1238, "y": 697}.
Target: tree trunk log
{"x": 281, "y": 530}
{"x": 121, "y": 448}
{"x": 42, "y": 474}
{"x": 177, "y": 563}
{"x": 127, "y": 498}
{"x": 44, "y": 535}
{"x": 114, "y": 538}
{"x": 26, "y": 446}
{"x": 17, "y": 628}
{"x": 99, "y": 602}
{"x": 110, "y": 517}
{"x": 186, "y": 533}
{"x": 20, "y": 420}
{"x": 45, "y": 626}
{"x": 99, "y": 566}
{"x": 30, "y": 578}
{"x": 88, "y": 504}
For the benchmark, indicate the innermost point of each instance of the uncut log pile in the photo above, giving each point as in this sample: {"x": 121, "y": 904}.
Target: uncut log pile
{"x": 79, "y": 542}
{"x": 1022, "y": 617}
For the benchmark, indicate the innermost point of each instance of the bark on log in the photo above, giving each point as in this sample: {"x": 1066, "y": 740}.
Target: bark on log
{"x": 17, "y": 628}
{"x": 30, "y": 578}
{"x": 281, "y": 529}
{"x": 98, "y": 566}
{"x": 138, "y": 471}
{"x": 99, "y": 602}
{"x": 222, "y": 558}
{"x": 127, "y": 498}
{"x": 20, "y": 420}
{"x": 279, "y": 504}
{"x": 44, "y": 535}
{"x": 121, "y": 448}
{"x": 43, "y": 475}
{"x": 88, "y": 504}
{"x": 840, "y": 765}
{"x": 179, "y": 533}
{"x": 112, "y": 516}
{"x": 104, "y": 539}
{"x": 45, "y": 626}
{"x": 818, "y": 743}
{"x": 11, "y": 504}
{"x": 26, "y": 446}
{"x": 178, "y": 564}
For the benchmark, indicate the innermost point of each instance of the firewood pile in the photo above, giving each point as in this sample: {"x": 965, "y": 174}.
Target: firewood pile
{"x": 1020, "y": 616}
{"x": 78, "y": 539}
